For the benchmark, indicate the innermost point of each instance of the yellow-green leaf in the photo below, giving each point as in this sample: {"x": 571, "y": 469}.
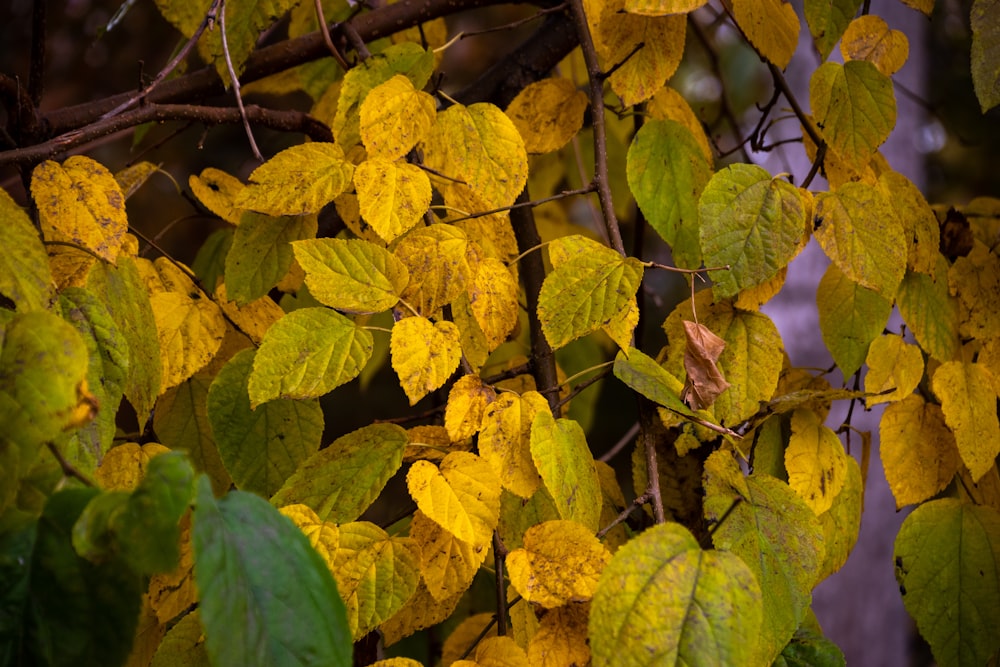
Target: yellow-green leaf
{"x": 505, "y": 438}
{"x": 842, "y": 522}
{"x": 662, "y": 7}
{"x": 218, "y": 191}
{"x": 260, "y": 447}
{"x": 917, "y": 449}
{"x": 261, "y": 253}
{"x": 560, "y": 562}
{"x": 561, "y": 638}
{"x": 668, "y": 104}
{"x": 421, "y": 611}
{"x": 439, "y": 271}
{"x": 340, "y": 481}
{"x": 124, "y": 466}
{"x": 24, "y": 275}
{"x": 985, "y": 21}
{"x": 667, "y": 170}
{"x": 307, "y": 353}
{"x": 708, "y": 604}
{"x": 424, "y": 354}
{"x": 975, "y": 279}
{"x": 447, "y": 564}
{"x": 639, "y": 73}
{"x": 80, "y": 202}
{"x": 815, "y": 460}
{"x": 496, "y": 652}
{"x": 858, "y": 229}
{"x": 563, "y": 459}
{"x": 869, "y": 38}
{"x": 772, "y": 26}
{"x": 462, "y": 496}
{"x": 468, "y": 401}
{"x": 351, "y": 275}
{"x": 750, "y": 222}
{"x": 493, "y": 296}
{"x": 548, "y": 114}
{"x": 850, "y": 318}
{"x": 930, "y": 311}
{"x": 894, "y": 367}
{"x": 827, "y": 20}
{"x": 919, "y": 222}
{"x": 298, "y": 180}
{"x": 968, "y": 394}
{"x": 395, "y": 117}
{"x": 392, "y": 196}
{"x": 854, "y": 107}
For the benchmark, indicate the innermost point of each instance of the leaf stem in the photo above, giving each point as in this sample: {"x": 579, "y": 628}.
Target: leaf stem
{"x": 68, "y": 468}
{"x": 236, "y": 81}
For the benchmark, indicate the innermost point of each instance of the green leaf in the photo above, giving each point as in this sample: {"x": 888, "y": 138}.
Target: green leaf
{"x": 809, "y": 648}
{"x": 850, "y": 318}
{"x": 210, "y": 262}
{"x": 707, "y": 604}
{"x": 351, "y": 275}
{"x": 778, "y": 537}
{"x": 260, "y": 445}
{"x": 183, "y": 645}
{"x": 18, "y": 532}
{"x": 854, "y": 106}
{"x": 985, "y": 20}
{"x": 261, "y": 253}
{"x": 827, "y": 20}
{"x": 339, "y": 482}
{"x": 307, "y": 353}
{"x": 842, "y": 522}
{"x": 641, "y": 372}
{"x": 563, "y": 459}
{"x": 298, "y": 181}
{"x": 931, "y": 312}
{"x": 946, "y": 554}
{"x": 859, "y": 231}
{"x": 24, "y": 275}
{"x": 751, "y": 222}
{"x": 667, "y": 171}
{"x": 266, "y": 596}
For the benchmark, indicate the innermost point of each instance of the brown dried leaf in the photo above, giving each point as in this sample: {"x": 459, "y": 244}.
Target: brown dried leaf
{"x": 704, "y": 379}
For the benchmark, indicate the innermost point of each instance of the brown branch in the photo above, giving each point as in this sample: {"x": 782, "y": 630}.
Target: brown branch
{"x": 499, "y": 554}
{"x": 646, "y": 416}
{"x": 68, "y": 469}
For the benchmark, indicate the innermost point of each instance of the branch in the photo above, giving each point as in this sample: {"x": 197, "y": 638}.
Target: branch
{"x": 236, "y": 81}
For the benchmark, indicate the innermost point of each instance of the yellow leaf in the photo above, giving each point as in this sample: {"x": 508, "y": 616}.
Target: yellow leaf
{"x": 869, "y": 38}
{"x": 561, "y": 562}
{"x": 561, "y": 639}
{"x": 298, "y": 180}
{"x": 323, "y": 535}
{"x": 424, "y": 354}
{"x": 548, "y": 114}
{"x": 481, "y": 147}
{"x": 493, "y": 295}
{"x": 662, "y": 7}
{"x": 421, "y": 611}
{"x": 975, "y": 280}
{"x": 919, "y": 223}
{"x": 25, "y": 276}
{"x": 351, "y": 275}
{"x": 70, "y": 267}
{"x": 462, "y": 496}
{"x": 467, "y": 402}
{"x": 815, "y": 460}
{"x": 842, "y": 522}
{"x": 466, "y": 636}
{"x": 772, "y": 26}
{"x": 392, "y": 196}
{"x": 447, "y": 564}
{"x": 431, "y": 443}
{"x": 397, "y": 662}
{"x": 253, "y": 319}
{"x": 171, "y": 594}
{"x": 893, "y": 365}
{"x": 968, "y": 393}
{"x": 395, "y": 117}
{"x": 917, "y": 449}
{"x": 498, "y": 652}
{"x": 504, "y": 440}
{"x": 668, "y": 104}
{"x": 124, "y": 466}
{"x": 563, "y": 459}
{"x": 218, "y": 192}
{"x": 439, "y": 271}
{"x": 924, "y": 6}
{"x": 80, "y": 202}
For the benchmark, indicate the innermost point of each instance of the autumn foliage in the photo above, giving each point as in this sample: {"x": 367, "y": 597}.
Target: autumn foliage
{"x": 170, "y": 491}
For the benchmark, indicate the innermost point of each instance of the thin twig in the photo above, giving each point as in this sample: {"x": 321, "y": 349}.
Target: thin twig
{"x": 727, "y": 109}
{"x": 68, "y": 469}
{"x": 722, "y": 519}
{"x": 624, "y": 514}
{"x": 533, "y": 202}
{"x": 235, "y": 80}
{"x": 325, "y": 29}
{"x": 621, "y": 444}
{"x": 578, "y": 389}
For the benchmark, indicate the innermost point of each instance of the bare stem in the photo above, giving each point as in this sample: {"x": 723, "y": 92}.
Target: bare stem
{"x": 236, "y": 81}
{"x": 68, "y": 468}
{"x": 325, "y": 29}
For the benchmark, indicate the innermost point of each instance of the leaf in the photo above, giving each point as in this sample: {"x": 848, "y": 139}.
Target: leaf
{"x": 25, "y": 278}
{"x": 563, "y": 459}
{"x": 644, "y": 375}
{"x": 252, "y": 564}
{"x": 183, "y": 644}
{"x": 708, "y": 604}
{"x": 468, "y": 401}
{"x": 462, "y": 496}
{"x": 424, "y": 354}
{"x": 340, "y": 481}
{"x": 560, "y": 562}
{"x": 667, "y": 171}
{"x": 975, "y": 279}
{"x": 261, "y": 253}
{"x": 701, "y": 355}
{"x": 79, "y": 202}
{"x": 842, "y": 522}
{"x": 985, "y": 22}
{"x": 548, "y": 114}
{"x": 815, "y": 461}
{"x": 967, "y": 392}
{"x": 439, "y": 271}
{"x": 561, "y": 638}
{"x": 190, "y": 328}
{"x": 307, "y": 353}
{"x": 393, "y": 196}
{"x": 251, "y": 320}
{"x": 894, "y": 366}
{"x": 497, "y": 652}
{"x": 351, "y": 275}
{"x": 931, "y": 312}
{"x": 585, "y": 292}
{"x": 447, "y": 564}
{"x": 505, "y": 440}
{"x": 124, "y": 466}
{"x": 298, "y": 181}
{"x": 869, "y": 38}
{"x": 260, "y": 447}
{"x": 493, "y": 297}
{"x": 771, "y": 26}
{"x": 775, "y": 534}
{"x": 919, "y": 222}
{"x": 917, "y": 449}
{"x": 662, "y": 7}
{"x": 395, "y": 117}
{"x": 859, "y": 231}
{"x": 946, "y": 554}
{"x": 850, "y": 318}
{"x": 750, "y": 222}
{"x": 827, "y": 20}
{"x": 854, "y": 107}
{"x": 218, "y": 192}
{"x": 809, "y": 648}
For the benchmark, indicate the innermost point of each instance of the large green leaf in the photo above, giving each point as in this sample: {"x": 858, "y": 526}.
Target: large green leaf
{"x": 261, "y": 253}
{"x": 563, "y": 459}
{"x": 750, "y": 222}
{"x": 706, "y": 604}
{"x": 24, "y": 275}
{"x": 260, "y": 447}
{"x": 850, "y": 318}
{"x": 266, "y": 596}
{"x": 946, "y": 556}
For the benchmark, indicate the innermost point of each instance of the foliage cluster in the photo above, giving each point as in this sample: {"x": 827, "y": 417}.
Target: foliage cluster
{"x": 450, "y": 237}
